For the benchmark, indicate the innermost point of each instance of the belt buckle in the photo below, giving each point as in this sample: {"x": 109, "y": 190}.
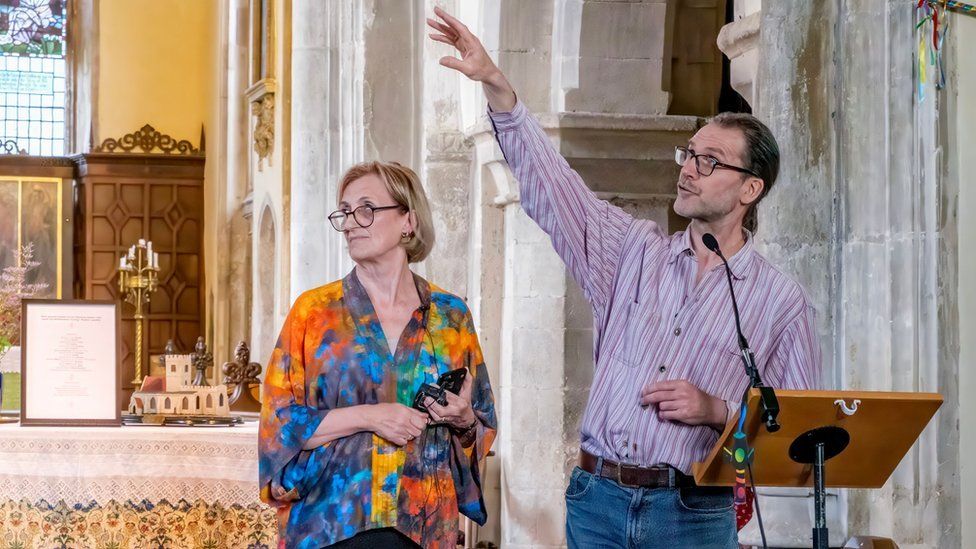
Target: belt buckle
{"x": 620, "y": 480}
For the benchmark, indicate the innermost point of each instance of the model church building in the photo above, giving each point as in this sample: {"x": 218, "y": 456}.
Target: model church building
{"x": 174, "y": 393}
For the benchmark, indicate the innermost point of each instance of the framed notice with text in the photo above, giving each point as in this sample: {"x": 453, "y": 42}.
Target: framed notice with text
{"x": 70, "y": 363}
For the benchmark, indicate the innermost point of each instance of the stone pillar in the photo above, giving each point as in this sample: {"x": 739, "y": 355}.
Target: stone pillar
{"x": 231, "y": 204}
{"x": 962, "y": 85}
{"x": 532, "y": 447}
{"x": 445, "y": 163}
{"x": 864, "y": 217}
{"x": 739, "y": 41}
{"x": 327, "y": 130}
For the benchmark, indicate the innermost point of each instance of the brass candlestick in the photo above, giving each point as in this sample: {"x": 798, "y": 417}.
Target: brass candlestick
{"x": 138, "y": 275}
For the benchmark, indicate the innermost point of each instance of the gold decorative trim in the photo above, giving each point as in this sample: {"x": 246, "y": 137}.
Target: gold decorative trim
{"x": 148, "y": 139}
{"x": 262, "y": 98}
{"x": 263, "y": 29}
{"x": 264, "y": 128}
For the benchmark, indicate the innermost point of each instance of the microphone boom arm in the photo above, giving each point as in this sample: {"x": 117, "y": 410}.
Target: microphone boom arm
{"x": 768, "y": 403}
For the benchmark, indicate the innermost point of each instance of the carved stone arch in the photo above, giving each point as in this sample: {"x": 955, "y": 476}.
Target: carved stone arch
{"x": 265, "y": 279}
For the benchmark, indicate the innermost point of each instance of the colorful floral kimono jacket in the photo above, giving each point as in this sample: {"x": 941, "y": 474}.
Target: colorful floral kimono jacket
{"x": 331, "y": 353}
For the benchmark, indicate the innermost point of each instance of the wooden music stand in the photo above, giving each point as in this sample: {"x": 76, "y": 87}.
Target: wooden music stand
{"x": 866, "y": 433}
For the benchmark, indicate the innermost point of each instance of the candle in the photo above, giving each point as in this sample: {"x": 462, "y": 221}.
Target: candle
{"x": 156, "y": 260}
{"x": 122, "y": 262}
{"x": 142, "y": 242}
{"x": 149, "y": 251}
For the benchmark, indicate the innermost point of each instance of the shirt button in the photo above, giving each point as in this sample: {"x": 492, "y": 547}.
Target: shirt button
{"x": 662, "y": 369}
{"x": 677, "y": 331}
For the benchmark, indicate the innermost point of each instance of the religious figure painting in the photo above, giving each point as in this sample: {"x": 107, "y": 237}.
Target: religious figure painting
{"x": 8, "y": 223}
{"x": 29, "y": 214}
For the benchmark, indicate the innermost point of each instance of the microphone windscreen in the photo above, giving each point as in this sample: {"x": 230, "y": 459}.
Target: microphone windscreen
{"x": 709, "y": 241}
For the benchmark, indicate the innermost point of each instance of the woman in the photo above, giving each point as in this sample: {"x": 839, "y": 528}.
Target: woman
{"x": 343, "y": 455}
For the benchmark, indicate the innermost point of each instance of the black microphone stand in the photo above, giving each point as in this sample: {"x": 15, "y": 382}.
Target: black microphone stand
{"x": 768, "y": 404}
{"x": 813, "y": 447}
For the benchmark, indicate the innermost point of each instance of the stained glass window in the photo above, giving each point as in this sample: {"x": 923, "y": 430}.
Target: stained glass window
{"x": 32, "y": 75}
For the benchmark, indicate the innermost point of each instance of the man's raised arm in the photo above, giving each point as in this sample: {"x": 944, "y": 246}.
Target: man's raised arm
{"x": 587, "y": 233}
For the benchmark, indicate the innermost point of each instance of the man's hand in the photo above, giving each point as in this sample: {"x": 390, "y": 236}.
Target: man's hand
{"x": 475, "y": 63}
{"x": 679, "y": 400}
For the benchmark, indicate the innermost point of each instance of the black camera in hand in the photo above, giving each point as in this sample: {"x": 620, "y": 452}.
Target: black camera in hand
{"x": 450, "y": 381}
{"x": 432, "y": 391}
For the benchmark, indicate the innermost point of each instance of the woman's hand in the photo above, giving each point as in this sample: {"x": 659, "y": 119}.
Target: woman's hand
{"x": 458, "y": 413}
{"x": 475, "y": 63}
{"x": 395, "y": 422}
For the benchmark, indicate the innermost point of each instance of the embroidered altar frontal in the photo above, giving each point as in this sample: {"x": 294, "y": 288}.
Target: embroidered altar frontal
{"x": 133, "y": 487}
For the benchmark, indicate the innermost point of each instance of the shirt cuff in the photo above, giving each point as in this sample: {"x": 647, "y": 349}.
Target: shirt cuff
{"x": 733, "y": 406}
{"x": 511, "y": 119}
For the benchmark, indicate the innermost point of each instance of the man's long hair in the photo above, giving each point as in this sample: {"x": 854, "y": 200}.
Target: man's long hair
{"x": 761, "y": 155}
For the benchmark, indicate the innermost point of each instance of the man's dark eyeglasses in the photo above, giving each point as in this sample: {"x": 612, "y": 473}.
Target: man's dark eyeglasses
{"x": 363, "y": 216}
{"x": 704, "y": 163}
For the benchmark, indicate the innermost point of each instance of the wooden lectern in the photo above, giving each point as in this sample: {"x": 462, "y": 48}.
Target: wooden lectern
{"x": 864, "y": 434}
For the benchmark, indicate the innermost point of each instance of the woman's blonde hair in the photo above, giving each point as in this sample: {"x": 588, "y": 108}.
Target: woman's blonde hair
{"x": 404, "y": 186}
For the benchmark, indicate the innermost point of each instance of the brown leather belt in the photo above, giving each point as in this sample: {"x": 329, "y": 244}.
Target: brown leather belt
{"x": 633, "y": 476}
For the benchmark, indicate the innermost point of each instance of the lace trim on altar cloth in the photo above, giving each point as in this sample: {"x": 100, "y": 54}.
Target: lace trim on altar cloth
{"x": 75, "y": 493}
{"x": 141, "y": 463}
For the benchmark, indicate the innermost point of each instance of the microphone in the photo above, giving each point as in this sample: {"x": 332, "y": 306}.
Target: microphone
{"x": 767, "y": 398}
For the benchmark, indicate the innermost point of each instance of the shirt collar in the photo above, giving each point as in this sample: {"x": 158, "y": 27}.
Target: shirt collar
{"x": 739, "y": 263}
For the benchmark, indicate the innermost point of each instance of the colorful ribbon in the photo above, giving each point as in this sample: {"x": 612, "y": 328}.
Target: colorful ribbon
{"x": 933, "y": 21}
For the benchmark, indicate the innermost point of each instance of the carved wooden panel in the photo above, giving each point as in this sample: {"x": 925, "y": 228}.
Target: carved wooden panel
{"x": 125, "y": 197}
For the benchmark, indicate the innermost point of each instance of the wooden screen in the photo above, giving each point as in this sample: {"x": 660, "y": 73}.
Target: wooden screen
{"x": 123, "y": 197}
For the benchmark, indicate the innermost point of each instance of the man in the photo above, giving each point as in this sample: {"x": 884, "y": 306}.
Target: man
{"x": 668, "y": 369}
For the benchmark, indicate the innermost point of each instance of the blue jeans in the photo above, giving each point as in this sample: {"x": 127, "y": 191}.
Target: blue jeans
{"x": 602, "y": 514}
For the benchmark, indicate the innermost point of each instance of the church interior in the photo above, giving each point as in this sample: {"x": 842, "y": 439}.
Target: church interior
{"x": 179, "y": 159}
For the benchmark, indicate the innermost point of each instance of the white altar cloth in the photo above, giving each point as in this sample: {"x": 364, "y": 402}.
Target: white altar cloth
{"x": 129, "y": 463}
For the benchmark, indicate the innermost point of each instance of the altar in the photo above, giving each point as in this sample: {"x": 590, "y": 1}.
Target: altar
{"x": 133, "y": 486}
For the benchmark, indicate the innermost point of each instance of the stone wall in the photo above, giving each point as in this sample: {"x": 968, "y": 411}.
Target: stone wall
{"x": 865, "y": 216}
{"x": 533, "y": 318}
{"x": 963, "y": 120}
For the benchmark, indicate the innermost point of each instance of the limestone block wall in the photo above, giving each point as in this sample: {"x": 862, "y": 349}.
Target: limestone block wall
{"x": 962, "y": 116}
{"x": 619, "y": 42}
{"x": 864, "y": 215}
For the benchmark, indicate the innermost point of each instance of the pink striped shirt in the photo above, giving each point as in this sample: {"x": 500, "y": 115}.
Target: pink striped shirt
{"x": 651, "y": 321}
